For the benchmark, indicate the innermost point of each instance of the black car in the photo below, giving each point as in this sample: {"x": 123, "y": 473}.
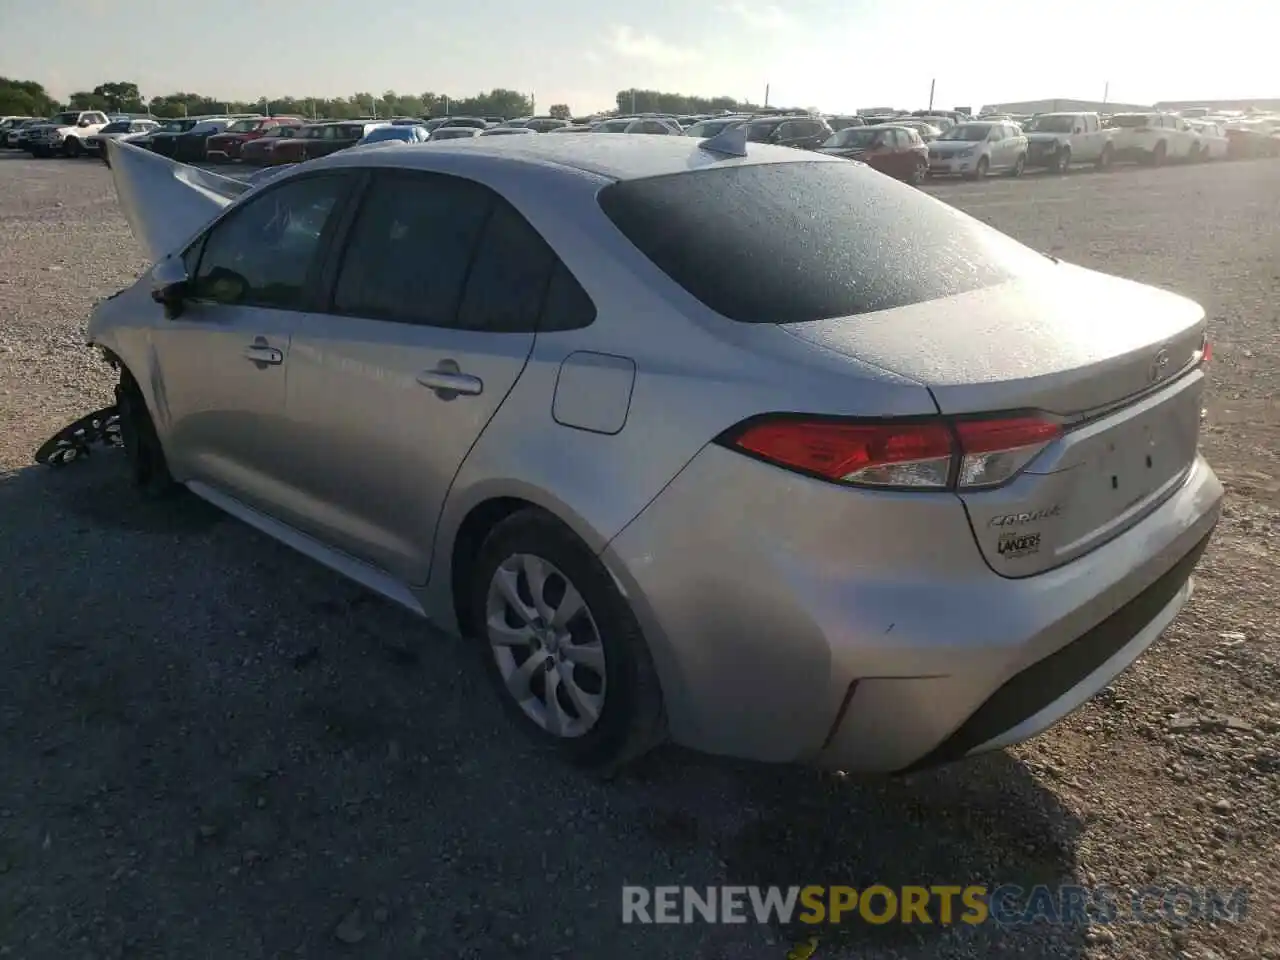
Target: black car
{"x": 192, "y": 146}
{"x": 803, "y": 132}
{"x": 162, "y": 141}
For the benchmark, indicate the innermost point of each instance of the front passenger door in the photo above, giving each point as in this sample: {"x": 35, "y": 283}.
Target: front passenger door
{"x": 221, "y": 362}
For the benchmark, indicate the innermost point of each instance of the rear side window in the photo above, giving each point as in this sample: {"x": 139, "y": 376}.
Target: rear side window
{"x": 508, "y": 278}
{"x": 408, "y": 252}
{"x": 567, "y": 306}
{"x": 802, "y": 241}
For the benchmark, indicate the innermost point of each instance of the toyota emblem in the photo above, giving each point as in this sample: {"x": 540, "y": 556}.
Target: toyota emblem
{"x": 1159, "y": 365}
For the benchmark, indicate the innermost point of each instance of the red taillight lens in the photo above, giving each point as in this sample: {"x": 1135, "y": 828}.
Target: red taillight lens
{"x": 910, "y": 454}
{"x": 1206, "y": 350}
{"x": 906, "y": 454}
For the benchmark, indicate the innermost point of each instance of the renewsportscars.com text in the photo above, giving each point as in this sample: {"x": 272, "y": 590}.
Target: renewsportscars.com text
{"x": 1007, "y": 905}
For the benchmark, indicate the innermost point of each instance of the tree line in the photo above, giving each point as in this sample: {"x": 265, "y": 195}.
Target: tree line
{"x": 28, "y": 98}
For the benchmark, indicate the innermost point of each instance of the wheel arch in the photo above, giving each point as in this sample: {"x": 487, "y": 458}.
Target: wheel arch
{"x": 463, "y": 527}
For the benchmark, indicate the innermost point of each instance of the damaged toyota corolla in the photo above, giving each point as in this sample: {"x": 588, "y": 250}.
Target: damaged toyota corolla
{"x": 744, "y": 447}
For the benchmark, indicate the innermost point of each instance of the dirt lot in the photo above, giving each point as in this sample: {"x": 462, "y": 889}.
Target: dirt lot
{"x": 211, "y": 747}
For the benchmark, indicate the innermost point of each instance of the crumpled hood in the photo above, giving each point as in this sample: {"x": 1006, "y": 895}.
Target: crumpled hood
{"x": 166, "y": 202}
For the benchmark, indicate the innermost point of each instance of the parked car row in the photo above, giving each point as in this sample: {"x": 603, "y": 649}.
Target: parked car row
{"x": 909, "y": 146}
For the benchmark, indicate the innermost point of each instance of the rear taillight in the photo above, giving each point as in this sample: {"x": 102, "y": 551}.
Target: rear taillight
{"x": 1206, "y": 350}
{"x": 995, "y": 451}
{"x": 907, "y": 454}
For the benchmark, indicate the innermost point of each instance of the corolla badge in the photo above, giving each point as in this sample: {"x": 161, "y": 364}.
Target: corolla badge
{"x": 1159, "y": 365}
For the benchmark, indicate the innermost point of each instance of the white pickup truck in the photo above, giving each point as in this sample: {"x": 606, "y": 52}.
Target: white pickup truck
{"x": 65, "y": 133}
{"x": 1057, "y": 140}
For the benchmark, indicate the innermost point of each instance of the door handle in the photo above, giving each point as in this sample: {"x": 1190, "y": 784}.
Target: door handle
{"x": 448, "y": 381}
{"x": 261, "y": 353}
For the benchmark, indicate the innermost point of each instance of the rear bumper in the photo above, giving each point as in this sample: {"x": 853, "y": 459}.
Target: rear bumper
{"x": 865, "y": 632}
{"x": 219, "y": 150}
{"x": 1040, "y": 695}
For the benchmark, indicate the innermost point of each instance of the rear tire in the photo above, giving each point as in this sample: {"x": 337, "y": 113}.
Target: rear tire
{"x": 1062, "y": 160}
{"x": 1159, "y": 154}
{"x": 148, "y": 468}
{"x": 592, "y": 662}
{"x": 918, "y": 173}
{"x": 1020, "y": 167}
{"x": 1107, "y": 157}
{"x": 72, "y": 148}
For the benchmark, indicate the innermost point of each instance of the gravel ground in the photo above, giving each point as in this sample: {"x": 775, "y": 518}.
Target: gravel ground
{"x": 212, "y": 747}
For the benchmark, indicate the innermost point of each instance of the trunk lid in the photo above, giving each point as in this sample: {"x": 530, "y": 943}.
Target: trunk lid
{"x": 1115, "y": 362}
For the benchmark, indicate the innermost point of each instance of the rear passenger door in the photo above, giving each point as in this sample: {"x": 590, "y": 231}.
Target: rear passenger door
{"x": 437, "y": 292}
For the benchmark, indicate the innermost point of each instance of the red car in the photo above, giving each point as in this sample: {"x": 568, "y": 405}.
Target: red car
{"x": 898, "y": 151}
{"x": 228, "y": 144}
{"x": 321, "y": 139}
{"x": 258, "y": 150}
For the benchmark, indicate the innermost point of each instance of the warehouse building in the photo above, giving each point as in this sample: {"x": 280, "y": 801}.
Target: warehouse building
{"x": 1244, "y": 105}
{"x": 1063, "y": 106}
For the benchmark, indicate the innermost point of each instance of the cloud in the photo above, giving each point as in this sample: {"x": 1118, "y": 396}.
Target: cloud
{"x": 757, "y": 17}
{"x": 626, "y": 42}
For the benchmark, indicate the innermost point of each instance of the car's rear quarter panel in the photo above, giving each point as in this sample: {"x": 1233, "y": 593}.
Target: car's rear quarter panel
{"x": 696, "y": 375}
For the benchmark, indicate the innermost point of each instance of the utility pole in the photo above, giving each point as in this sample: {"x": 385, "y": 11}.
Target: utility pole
{"x": 533, "y": 104}
{"x": 633, "y": 101}
{"x": 1106, "y": 92}
{"x": 766, "y": 94}
{"x": 932, "y": 84}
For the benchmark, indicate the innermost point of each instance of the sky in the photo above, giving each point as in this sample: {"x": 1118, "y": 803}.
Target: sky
{"x": 835, "y": 55}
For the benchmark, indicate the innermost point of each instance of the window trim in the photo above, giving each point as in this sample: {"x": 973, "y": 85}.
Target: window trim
{"x": 314, "y": 283}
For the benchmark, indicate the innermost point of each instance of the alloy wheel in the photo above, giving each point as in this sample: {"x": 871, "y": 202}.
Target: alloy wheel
{"x": 546, "y": 645}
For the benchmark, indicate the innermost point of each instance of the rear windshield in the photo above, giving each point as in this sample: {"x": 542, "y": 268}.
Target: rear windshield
{"x": 1133, "y": 120}
{"x": 801, "y": 241}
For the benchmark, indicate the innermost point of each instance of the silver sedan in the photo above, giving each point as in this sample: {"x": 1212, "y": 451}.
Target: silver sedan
{"x": 736, "y": 445}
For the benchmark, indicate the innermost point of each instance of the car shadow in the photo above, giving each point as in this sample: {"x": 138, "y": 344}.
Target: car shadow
{"x": 985, "y": 821}
{"x": 190, "y": 689}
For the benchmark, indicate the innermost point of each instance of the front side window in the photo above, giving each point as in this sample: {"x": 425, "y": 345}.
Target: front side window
{"x": 262, "y": 254}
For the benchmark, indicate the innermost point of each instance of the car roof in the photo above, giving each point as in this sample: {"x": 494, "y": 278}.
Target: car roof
{"x": 616, "y": 158}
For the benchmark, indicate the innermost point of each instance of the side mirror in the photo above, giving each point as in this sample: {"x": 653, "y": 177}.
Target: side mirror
{"x": 170, "y": 285}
